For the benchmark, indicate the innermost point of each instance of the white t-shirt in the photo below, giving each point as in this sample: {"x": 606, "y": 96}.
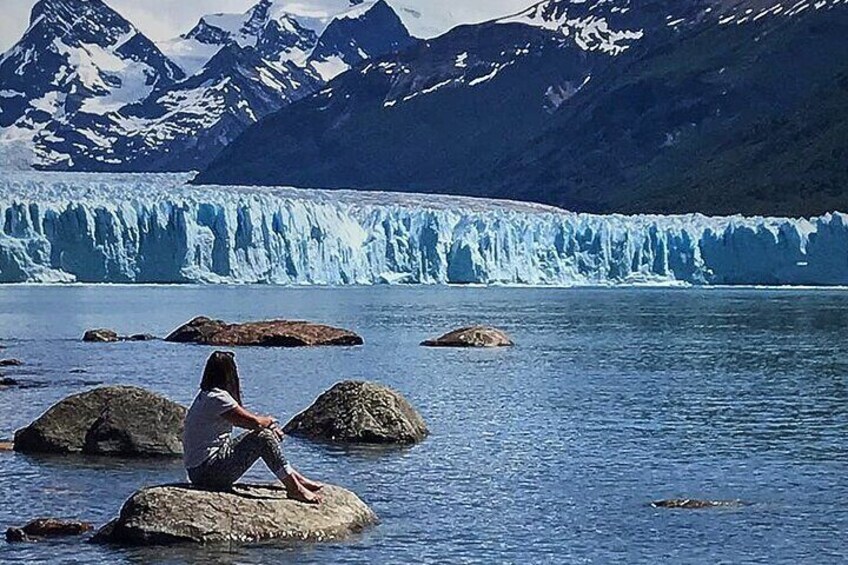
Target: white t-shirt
{"x": 205, "y": 428}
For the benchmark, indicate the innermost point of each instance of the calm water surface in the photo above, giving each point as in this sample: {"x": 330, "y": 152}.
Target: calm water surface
{"x": 546, "y": 452}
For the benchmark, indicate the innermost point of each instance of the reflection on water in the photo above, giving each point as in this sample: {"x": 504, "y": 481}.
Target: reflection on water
{"x": 549, "y": 451}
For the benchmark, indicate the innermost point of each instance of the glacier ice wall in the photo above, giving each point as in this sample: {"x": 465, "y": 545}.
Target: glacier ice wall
{"x": 156, "y": 229}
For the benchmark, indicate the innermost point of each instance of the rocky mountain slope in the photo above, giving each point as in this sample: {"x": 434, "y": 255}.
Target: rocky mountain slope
{"x": 75, "y": 58}
{"x": 715, "y": 106}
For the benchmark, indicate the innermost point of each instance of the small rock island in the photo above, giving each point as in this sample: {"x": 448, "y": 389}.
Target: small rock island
{"x": 473, "y": 336}
{"x": 270, "y": 333}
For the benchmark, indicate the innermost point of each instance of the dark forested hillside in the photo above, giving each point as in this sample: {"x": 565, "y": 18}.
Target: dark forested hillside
{"x": 667, "y": 107}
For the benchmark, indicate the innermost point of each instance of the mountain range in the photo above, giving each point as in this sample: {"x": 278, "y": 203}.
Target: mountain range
{"x": 636, "y": 106}
{"x": 85, "y": 90}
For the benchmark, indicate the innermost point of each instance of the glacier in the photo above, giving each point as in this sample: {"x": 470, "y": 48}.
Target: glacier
{"x": 155, "y": 228}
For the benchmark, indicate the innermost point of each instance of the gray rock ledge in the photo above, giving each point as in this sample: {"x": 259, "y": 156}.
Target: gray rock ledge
{"x": 172, "y": 514}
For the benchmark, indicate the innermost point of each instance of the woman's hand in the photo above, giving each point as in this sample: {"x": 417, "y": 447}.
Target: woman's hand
{"x": 266, "y": 421}
{"x": 271, "y": 423}
{"x": 242, "y": 418}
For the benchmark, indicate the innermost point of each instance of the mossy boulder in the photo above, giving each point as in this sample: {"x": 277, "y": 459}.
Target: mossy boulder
{"x": 360, "y": 412}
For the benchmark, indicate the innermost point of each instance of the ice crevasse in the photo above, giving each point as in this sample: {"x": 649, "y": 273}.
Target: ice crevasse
{"x": 155, "y": 228}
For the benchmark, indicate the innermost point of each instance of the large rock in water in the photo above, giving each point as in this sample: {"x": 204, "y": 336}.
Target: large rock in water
{"x": 271, "y": 333}
{"x": 475, "y": 336}
{"x": 359, "y": 412}
{"x": 117, "y": 420}
{"x": 182, "y": 513}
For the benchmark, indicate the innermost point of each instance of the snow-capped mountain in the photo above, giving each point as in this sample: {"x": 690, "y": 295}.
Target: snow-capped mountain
{"x": 202, "y": 88}
{"x": 608, "y": 105}
{"x": 463, "y": 93}
{"x": 75, "y": 58}
{"x": 276, "y": 35}
{"x": 277, "y": 30}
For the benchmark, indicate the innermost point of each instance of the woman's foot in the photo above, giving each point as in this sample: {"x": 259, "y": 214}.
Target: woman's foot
{"x": 308, "y": 483}
{"x": 299, "y": 492}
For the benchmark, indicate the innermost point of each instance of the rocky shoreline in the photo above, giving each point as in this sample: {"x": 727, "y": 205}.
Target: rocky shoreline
{"x": 128, "y": 421}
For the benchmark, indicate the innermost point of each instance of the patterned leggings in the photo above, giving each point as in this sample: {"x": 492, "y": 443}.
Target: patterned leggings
{"x": 234, "y": 458}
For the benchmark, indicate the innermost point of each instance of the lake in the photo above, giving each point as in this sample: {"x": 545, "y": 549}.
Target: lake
{"x": 550, "y": 451}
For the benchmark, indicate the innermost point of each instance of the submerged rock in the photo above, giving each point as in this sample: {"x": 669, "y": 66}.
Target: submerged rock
{"x": 271, "y": 333}
{"x": 9, "y": 382}
{"x": 691, "y": 503}
{"x": 6, "y": 382}
{"x": 15, "y": 535}
{"x": 118, "y": 420}
{"x": 100, "y": 336}
{"x": 474, "y": 336}
{"x": 110, "y": 336}
{"x": 360, "y": 412}
{"x": 47, "y": 527}
{"x": 248, "y": 513}
{"x": 11, "y": 363}
{"x": 140, "y": 337}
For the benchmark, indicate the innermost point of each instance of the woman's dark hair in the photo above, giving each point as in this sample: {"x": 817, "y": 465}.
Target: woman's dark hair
{"x": 221, "y": 373}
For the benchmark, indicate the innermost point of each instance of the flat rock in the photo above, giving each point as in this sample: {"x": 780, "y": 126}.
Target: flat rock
{"x": 695, "y": 504}
{"x": 117, "y": 420}
{"x": 11, "y": 362}
{"x": 48, "y": 527}
{"x": 7, "y": 446}
{"x": 8, "y": 381}
{"x": 474, "y": 336}
{"x": 172, "y": 514}
{"x": 360, "y": 412}
{"x": 271, "y": 333}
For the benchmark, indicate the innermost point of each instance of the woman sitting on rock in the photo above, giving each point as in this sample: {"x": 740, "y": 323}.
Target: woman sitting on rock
{"x": 213, "y": 458}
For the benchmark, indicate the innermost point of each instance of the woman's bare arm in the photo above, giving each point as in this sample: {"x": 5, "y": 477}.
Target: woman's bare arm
{"x": 246, "y": 419}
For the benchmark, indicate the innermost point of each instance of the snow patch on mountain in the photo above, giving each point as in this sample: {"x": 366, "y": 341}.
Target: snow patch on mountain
{"x": 189, "y": 54}
{"x": 153, "y": 228}
{"x": 742, "y": 14}
{"x": 586, "y": 23}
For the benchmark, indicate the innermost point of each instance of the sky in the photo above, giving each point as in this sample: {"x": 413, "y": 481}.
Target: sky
{"x": 164, "y": 19}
